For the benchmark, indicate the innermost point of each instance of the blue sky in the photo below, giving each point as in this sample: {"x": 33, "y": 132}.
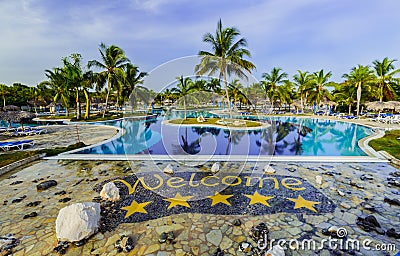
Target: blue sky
{"x": 309, "y": 34}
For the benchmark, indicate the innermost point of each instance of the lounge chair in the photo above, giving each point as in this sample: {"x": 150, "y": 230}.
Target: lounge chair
{"x": 7, "y": 129}
{"x": 7, "y": 145}
{"x": 35, "y": 131}
{"x": 395, "y": 119}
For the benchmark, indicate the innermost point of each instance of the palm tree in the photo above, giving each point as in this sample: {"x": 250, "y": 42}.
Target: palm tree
{"x": 132, "y": 88}
{"x": 3, "y": 92}
{"x": 345, "y": 93}
{"x": 359, "y": 77}
{"x": 56, "y": 81}
{"x": 227, "y": 56}
{"x": 319, "y": 80}
{"x": 384, "y": 71}
{"x": 89, "y": 79}
{"x": 73, "y": 76}
{"x": 255, "y": 93}
{"x": 214, "y": 85}
{"x": 113, "y": 61}
{"x": 303, "y": 82}
{"x": 286, "y": 93}
{"x": 236, "y": 93}
{"x": 34, "y": 94}
{"x": 271, "y": 83}
{"x": 184, "y": 87}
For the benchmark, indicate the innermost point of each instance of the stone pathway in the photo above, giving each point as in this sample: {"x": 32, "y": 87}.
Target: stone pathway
{"x": 197, "y": 234}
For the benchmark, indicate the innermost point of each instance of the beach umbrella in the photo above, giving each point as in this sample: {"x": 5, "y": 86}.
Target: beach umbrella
{"x": 16, "y": 116}
{"x": 11, "y": 107}
{"x": 377, "y": 105}
{"x": 393, "y": 104}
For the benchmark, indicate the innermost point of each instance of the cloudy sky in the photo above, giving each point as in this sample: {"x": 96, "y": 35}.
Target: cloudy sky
{"x": 309, "y": 34}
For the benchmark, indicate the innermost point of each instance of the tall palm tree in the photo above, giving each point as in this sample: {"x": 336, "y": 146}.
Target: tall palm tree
{"x": 132, "y": 89}
{"x": 271, "y": 84}
{"x": 384, "y": 70}
{"x": 184, "y": 87}
{"x": 303, "y": 82}
{"x": 227, "y": 56}
{"x": 73, "y": 76}
{"x": 359, "y": 77}
{"x": 88, "y": 82}
{"x": 113, "y": 61}
{"x": 319, "y": 81}
{"x": 4, "y": 90}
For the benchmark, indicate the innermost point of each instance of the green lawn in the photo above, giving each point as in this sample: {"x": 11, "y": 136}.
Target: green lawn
{"x": 212, "y": 121}
{"x": 57, "y": 117}
{"x": 13, "y": 156}
{"x": 388, "y": 143}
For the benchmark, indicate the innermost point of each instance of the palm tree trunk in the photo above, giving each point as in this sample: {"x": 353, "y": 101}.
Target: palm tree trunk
{"x": 78, "y": 107}
{"x": 301, "y": 103}
{"x": 184, "y": 105}
{"x": 87, "y": 112}
{"x": 358, "y": 99}
{"x": 349, "y": 109}
{"x": 226, "y": 92}
{"x": 4, "y": 101}
{"x": 108, "y": 95}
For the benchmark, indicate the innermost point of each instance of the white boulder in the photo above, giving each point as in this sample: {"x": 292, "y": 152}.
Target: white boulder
{"x": 215, "y": 168}
{"x": 268, "y": 169}
{"x": 77, "y": 221}
{"x": 318, "y": 179}
{"x": 110, "y": 192}
{"x": 168, "y": 170}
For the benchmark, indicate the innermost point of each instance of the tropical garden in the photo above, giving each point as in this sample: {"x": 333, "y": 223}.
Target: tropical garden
{"x": 111, "y": 83}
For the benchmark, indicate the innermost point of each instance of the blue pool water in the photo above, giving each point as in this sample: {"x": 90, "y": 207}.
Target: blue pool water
{"x": 285, "y": 136}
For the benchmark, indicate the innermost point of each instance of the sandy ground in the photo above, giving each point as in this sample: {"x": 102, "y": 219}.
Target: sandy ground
{"x": 64, "y": 135}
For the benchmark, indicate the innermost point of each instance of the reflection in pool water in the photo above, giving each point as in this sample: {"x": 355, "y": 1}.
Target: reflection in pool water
{"x": 286, "y": 136}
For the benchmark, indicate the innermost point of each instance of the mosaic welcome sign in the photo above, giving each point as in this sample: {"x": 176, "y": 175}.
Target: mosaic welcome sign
{"x": 152, "y": 195}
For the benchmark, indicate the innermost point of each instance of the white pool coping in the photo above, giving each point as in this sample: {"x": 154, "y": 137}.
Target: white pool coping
{"x": 231, "y": 158}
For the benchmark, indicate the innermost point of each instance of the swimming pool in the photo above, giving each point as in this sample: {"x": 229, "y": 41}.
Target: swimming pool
{"x": 286, "y": 136}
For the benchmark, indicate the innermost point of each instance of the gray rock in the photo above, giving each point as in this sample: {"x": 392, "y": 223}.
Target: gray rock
{"x": 46, "y": 184}
{"x": 168, "y": 170}
{"x": 214, "y": 237}
{"x": 215, "y": 168}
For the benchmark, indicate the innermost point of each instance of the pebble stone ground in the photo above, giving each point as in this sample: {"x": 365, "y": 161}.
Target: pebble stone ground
{"x": 195, "y": 234}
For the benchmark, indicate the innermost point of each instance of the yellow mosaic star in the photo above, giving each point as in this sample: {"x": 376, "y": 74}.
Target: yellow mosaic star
{"x": 300, "y": 202}
{"x": 135, "y": 207}
{"x": 178, "y": 200}
{"x": 218, "y": 198}
{"x": 257, "y": 198}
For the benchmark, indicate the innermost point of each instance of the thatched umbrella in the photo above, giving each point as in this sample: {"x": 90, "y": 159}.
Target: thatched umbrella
{"x": 393, "y": 104}
{"x": 297, "y": 105}
{"x": 377, "y": 105}
{"x": 11, "y": 107}
{"x": 16, "y": 117}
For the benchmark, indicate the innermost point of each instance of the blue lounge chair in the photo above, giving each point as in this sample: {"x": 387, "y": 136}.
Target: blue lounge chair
{"x": 7, "y": 145}
{"x": 35, "y": 131}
